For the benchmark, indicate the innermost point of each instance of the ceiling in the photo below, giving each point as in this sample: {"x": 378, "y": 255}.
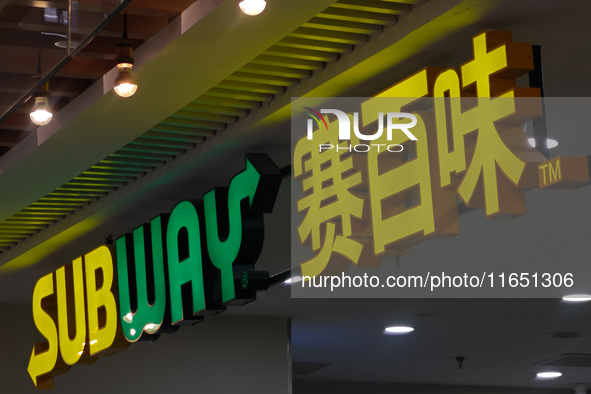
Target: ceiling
{"x": 319, "y": 41}
{"x": 118, "y": 163}
{"x": 30, "y": 32}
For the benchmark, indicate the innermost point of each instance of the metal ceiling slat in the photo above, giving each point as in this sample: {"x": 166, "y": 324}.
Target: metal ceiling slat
{"x": 183, "y": 130}
{"x": 121, "y": 153}
{"x": 22, "y": 233}
{"x": 343, "y": 26}
{"x": 215, "y": 109}
{"x": 115, "y": 169}
{"x": 156, "y": 135}
{"x": 28, "y": 212}
{"x": 107, "y": 175}
{"x": 95, "y": 183}
{"x": 228, "y": 102}
{"x": 239, "y": 95}
{"x": 344, "y": 14}
{"x": 251, "y": 87}
{"x": 132, "y": 161}
{"x": 5, "y": 239}
{"x": 177, "y": 145}
{"x": 315, "y": 44}
{"x": 73, "y": 198}
{"x": 280, "y": 61}
{"x": 22, "y": 226}
{"x": 330, "y": 36}
{"x": 276, "y": 71}
{"x": 196, "y": 124}
{"x": 300, "y": 53}
{"x": 148, "y": 151}
{"x": 36, "y": 217}
{"x": 394, "y": 8}
{"x": 29, "y": 221}
{"x": 72, "y": 195}
{"x": 188, "y": 113}
{"x": 54, "y": 212}
{"x": 85, "y": 188}
{"x": 259, "y": 78}
{"x": 61, "y": 206}
{"x": 125, "y": 176}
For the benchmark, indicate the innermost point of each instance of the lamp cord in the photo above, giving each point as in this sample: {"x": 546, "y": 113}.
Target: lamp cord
{"x": 125, "y": 26}
{"x": 39, "y": 63}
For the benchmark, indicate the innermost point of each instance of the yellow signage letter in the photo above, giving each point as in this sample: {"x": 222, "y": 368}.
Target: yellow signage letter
{"x": 44, "y": 355}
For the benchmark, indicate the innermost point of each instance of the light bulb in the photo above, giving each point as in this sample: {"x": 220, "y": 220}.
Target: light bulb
{"x": 41, "y": 114}
{"x": 252, "y": 7}
{"x": 125, "y": 85}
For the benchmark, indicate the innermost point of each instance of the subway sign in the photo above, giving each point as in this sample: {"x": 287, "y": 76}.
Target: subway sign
{"x": 172, "y": 271}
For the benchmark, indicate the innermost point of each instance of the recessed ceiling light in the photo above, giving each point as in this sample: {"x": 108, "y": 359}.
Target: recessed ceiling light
{"x": 551, "y": 142}
{"x": 398, "y": 330}
{"x": 577, "y": 298}
{"x": 565, "y": 335}
{"x": 549, "y": 375}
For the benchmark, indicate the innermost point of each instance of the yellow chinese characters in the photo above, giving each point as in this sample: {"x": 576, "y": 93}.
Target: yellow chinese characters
{"x": 469, "y": 145}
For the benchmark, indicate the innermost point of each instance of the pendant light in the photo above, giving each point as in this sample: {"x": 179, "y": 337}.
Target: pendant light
{"x": 125, "y": 84}
{"x": 252, "y": 7}
{"x": 41, "y": 113}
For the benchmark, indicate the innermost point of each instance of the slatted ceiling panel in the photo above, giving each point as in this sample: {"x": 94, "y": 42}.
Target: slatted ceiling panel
{"x": 324, "y": 39}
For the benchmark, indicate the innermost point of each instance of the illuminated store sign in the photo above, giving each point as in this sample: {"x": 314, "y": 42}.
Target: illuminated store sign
{"x": 172, "y": 271}
{"x": 469, "y": 143}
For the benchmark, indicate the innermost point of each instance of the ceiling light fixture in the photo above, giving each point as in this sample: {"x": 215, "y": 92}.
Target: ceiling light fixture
{"x": 548, "y": 375}
{"x": 125, "y": 84}
{"x": 41, "y": 113}
{"x": 252, "y": 7}
{"x": 397, "y": 330}
{"x": 550, "y": 142}
{"x": 577, "y": 298}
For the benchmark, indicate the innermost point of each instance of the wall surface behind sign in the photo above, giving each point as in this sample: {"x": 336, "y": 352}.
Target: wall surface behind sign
{"x": 223, "y": 354}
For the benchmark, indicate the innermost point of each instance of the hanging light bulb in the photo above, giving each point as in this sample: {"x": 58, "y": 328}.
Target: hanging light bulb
{"x": 252, "y": 7}
{"x": 41, "y": 113}
{"x": 125, "y": 84}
